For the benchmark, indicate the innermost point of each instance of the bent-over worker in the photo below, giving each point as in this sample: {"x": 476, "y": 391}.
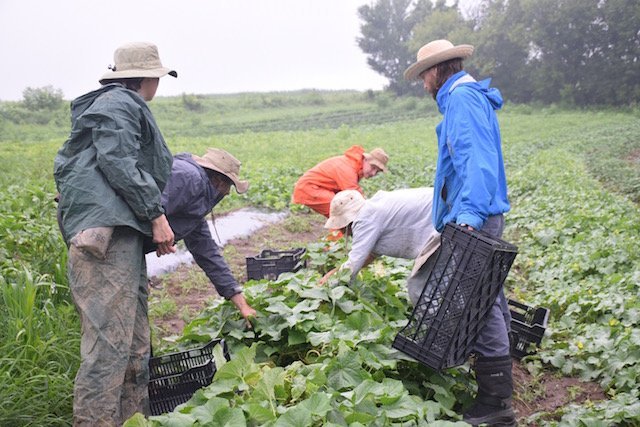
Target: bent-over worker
{"x": 319, "y": 184}
{"x": 392, "y": 223}
{"x": 195, "y": 187}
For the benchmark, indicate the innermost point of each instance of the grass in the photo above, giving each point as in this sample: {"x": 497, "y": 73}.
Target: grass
{"x": 39, "y": 347}
{"x": 162, "y": 306}
{"x": 297, "y": 224}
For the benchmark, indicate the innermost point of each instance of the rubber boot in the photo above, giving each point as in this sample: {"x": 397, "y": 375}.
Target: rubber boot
{"x": 495, "y": 390}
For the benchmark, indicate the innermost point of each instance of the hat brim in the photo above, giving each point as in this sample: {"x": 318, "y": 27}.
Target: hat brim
{"x": 378, "y": 164}
{"x": 462, "y": 51}
{"x": 132, "y": 74}
{"x": 337, "y": 223}
{"x": 241, "y": 186}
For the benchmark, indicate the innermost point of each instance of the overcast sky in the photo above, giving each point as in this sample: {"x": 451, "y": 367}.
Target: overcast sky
{"x": 217, "y": 46}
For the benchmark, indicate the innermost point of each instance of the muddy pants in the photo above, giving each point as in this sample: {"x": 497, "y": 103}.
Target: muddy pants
{"x": 111, "y": 298}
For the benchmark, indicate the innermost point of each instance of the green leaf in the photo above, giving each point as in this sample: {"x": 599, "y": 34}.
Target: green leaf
{"x": 442, "y": 395}
{"x": 298, "y": 386}
{"x": 220, "y": 386}
{"x": 265, "y": 388}
{"x": 318, "y": 404}
{"x": 259, "y": 412}
{"x": 364, "y": 389}
{"x": 306, "y": 306}
{"x": 346, "y": 372}
{"x": 296, "y": 337}
{"x": 204, "y": 414}
{"x": 138, "y": 420}
{"x": 318, "y": 338}
{"x": 296, "y": 416}
{"x": 229, "y": 417}
{"x": 348, "y": 306}
{"x": 241, "y": 369}
{"x": 337, "y": 293}
{"x": 401, "y": 408}
{"x": 218, "y": 356}
{"x": 360, "y": 417}
{"x": 319, "y": 293}
{"x": 175, "y": 419}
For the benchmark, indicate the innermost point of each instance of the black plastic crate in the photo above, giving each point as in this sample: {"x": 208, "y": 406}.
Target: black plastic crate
{"x": 174, "y": 377}
{"x": 270, "y": 264}
{"x": 468, "y": 274}
{"x": 527, "y": 327}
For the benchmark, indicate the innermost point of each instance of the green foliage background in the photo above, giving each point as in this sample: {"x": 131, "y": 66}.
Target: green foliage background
{"x": 574, "y": 52}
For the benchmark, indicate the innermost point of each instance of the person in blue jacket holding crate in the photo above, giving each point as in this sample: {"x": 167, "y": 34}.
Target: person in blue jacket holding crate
{"x": 195, "y": 187}
{"x": 471, "y": 190}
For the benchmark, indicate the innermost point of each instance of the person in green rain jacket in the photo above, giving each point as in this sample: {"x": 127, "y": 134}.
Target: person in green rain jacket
{"x": 110, "y": 174}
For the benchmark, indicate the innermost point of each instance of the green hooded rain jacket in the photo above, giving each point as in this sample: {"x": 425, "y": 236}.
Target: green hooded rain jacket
{"x": 113, "y": 167}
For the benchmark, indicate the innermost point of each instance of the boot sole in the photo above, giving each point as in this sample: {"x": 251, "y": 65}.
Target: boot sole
{"x": 510, "y": 423}
{"x": 506, "y": 420}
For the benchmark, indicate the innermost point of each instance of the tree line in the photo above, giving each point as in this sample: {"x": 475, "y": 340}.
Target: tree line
{"x": 574, "y": 52}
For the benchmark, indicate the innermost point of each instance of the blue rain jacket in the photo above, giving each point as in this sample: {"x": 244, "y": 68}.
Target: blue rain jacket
{"x": 470, "y": 182}
{"x": 187, "y": 199}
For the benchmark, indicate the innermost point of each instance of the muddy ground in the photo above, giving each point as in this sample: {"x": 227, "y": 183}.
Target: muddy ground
{"x": 177, "y": 298}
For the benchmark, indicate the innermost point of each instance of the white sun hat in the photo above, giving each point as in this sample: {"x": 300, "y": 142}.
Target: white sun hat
{"x": 344, "y": 208}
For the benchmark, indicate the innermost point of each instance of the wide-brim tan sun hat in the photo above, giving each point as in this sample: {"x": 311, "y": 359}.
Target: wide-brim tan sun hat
{"x": 223, "y": 162}
{"x": 137, "y": 59}
{"x": 434, "y": 53}
{"x": 379, "y": 158}
{"x": 344, "y": 209}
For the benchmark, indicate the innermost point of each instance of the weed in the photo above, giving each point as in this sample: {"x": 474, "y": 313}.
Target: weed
{"x": 297, "y": 224}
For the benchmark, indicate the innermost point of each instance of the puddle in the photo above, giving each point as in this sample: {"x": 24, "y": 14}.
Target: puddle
{"x": 240, "y": 223}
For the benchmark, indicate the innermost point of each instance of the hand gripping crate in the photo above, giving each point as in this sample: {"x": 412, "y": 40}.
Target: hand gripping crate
{"x": 174, "y": 377}
{"x": 468, "y": 274}
{"x": 270, "y": 264}
{"x": 527, "y": 327}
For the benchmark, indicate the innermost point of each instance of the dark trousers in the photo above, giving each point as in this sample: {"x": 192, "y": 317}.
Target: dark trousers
{"x": 493, "y": 338}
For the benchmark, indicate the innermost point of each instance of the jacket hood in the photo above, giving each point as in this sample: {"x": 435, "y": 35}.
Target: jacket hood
{"x": 82, "y": 103}
{"x": 355, "y": 154}
{"x": 492, "y": 94}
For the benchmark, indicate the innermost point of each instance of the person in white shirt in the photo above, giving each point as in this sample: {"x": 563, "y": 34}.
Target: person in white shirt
{"x": 392, "y": 223}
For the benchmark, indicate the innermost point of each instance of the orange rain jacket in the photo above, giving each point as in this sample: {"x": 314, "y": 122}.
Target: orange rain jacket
{"x": 319, "y": 184}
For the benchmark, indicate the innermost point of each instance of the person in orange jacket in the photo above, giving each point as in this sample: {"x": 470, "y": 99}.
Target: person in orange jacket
{"x": 319, "y": 184}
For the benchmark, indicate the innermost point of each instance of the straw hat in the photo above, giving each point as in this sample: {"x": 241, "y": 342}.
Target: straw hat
{"x": 434, "y": 53}
{"x": 138, "y": 59}
{"x": 344, "y": 209}
{"x": 221, "y": 161}
{"x": 378, "y": 157}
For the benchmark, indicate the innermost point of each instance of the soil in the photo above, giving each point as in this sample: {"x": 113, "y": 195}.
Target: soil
{"x": 544, "y": 392}
{"x": 548, "y": 392}
{"x": 634, "y": 157}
